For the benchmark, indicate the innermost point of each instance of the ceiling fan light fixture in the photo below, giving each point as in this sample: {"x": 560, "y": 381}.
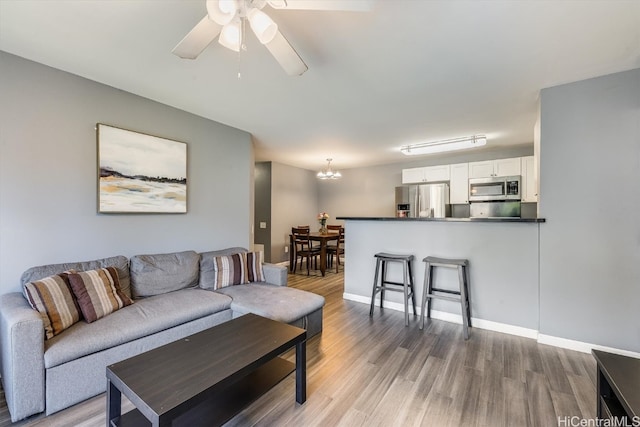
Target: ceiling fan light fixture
{"x": 222, "y": 11}
{"x": 231, "y": 36}
{"x": 278, "y": 4}
{"x": 262, "y": 25}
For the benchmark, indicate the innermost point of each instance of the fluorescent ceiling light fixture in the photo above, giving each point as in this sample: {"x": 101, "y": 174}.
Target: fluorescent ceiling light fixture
{"x": 444, "y": 145}
{"x": 328, "y": 173}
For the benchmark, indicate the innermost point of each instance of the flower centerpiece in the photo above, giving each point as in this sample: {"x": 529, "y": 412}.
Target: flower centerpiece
{"x": 322, "y": 219}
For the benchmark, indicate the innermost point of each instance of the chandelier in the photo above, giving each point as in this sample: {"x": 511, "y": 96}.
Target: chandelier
{"x": 328, "y": 173}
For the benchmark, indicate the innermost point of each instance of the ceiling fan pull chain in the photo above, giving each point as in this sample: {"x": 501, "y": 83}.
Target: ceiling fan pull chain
{"x": 243, "y": 46}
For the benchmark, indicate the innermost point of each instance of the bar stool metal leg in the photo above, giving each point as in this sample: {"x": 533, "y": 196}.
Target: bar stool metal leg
{"x": 406, "y": 292}
{"x": 413, "y": 290}
{"x": 375, "y": 288}
{"x": 463, "y": 301}
{"x": 426, "y": 290}
{"x": 383, "y": 281}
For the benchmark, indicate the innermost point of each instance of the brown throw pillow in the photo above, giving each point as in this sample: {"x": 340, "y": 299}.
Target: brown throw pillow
{"x": 98, "y": 292}
{"x": 229, "y": 270}
{"x": 53, "y": 299}
{"x": 254, "y": 267}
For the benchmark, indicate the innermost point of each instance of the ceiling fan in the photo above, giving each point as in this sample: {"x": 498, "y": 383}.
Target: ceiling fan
{"x": 228, "y": 18}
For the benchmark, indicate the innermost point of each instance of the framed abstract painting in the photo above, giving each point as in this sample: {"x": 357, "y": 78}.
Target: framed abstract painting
{"x": 140, "y": 173}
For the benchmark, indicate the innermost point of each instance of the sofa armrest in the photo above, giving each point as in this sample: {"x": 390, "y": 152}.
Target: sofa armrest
{"x": 275, "y": 274}
{"x": 21, "y": 356}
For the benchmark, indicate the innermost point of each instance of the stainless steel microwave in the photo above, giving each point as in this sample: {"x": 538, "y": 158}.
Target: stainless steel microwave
{"x": 494, "y": 189}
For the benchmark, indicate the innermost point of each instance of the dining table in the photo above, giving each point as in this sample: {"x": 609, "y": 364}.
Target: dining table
{"x": 315, "y": 236}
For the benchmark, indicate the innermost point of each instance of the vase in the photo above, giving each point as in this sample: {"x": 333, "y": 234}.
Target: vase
{"x": 323, "y": 227}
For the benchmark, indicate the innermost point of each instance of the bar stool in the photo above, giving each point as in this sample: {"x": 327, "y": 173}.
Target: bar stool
{"x": 462, "y": 294}
{"x": 407, "y": 281}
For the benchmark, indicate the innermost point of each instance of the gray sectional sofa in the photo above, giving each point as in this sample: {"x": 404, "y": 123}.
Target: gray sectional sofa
{"x": 173, "y": 298}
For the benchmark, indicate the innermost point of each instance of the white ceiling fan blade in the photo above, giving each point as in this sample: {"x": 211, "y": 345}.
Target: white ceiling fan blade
{"x": 286, "y": 56}
{"x": 340, "y": 5}
{"x": 198, "y": 39}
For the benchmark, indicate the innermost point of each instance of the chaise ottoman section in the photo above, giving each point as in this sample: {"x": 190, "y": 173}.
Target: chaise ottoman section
{"x": 288, "y": 305}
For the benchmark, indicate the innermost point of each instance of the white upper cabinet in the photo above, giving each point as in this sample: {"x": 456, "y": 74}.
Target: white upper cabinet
{"x": 481, "y": 169}
{"x": 490, "y": 168}
{"x": 459, "y": 183}
{"x": 508, "y": 167}
{"x": 529, "y": 181}
{"x": 426, "y": 174}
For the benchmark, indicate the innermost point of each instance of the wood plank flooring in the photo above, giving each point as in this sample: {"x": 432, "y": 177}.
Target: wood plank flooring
{"x": 376, "y": 372}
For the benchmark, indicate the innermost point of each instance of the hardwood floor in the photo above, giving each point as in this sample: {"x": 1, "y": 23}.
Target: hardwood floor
{"x": 377, "y": 372}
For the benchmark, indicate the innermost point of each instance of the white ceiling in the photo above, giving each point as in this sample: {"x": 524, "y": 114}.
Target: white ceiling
{"x": 407, "y": 71}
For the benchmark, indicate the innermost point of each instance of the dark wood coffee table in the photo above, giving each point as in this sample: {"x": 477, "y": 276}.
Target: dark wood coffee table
{"x": 618, "y": 388}
{"x": 206, "y": 378}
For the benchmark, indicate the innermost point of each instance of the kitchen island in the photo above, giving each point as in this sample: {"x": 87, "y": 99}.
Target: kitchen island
{"x": 503, "y": 256}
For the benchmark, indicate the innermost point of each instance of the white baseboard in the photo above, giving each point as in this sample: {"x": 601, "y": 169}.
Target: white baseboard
{"x": 454, "y": 318}
{"x": 502, "y": 327}
{"x": 583, "y": 347}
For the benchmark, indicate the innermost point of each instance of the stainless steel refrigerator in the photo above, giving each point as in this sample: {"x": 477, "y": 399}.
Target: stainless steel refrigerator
{"x": 424, "y": 200}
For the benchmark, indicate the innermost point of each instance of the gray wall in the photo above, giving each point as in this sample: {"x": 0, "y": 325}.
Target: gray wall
{"x": 262, "y": 207}
{"x": 294, "y": 201}
{"x": 503, "y": 264}
{"x": 590, "y": 195}
{"x": 48, "y": 174}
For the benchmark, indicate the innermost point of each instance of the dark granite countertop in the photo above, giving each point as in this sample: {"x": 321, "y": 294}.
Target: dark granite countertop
{"x": 391, "y": 218}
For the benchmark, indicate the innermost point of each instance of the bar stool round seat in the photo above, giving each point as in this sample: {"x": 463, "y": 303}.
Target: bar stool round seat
{"x": 461, "y": 295}
{"x": 406, "y": 286}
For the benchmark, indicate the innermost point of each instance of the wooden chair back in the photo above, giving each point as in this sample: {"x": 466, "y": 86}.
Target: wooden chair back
{"x": 301, "y": 238}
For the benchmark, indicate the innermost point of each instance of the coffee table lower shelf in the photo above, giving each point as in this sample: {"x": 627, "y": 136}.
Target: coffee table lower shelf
{"x": 224, "y": 406}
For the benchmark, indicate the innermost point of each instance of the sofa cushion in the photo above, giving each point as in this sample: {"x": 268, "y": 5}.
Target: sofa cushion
{"x": 275, "y": 302}
{"x": 253, "y": 261}
{"x": 162, "y": 273}
{"x": 146, "y": 317}
{"x": 98, "y": 292}
{"x": 207, "y": 270}
{"x": 53, "y": 299}
{"x": 120, "y": 262}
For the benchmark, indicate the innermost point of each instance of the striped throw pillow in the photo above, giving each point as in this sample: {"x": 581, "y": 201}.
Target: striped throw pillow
{"x": 229, "y": 270}
{"x": 98, "y": 292}
{"x": 254, "y": 267}
{"x": 53, "y": 299}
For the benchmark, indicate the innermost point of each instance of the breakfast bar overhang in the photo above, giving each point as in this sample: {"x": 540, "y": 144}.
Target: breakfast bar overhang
{"x": 503, "y": 256}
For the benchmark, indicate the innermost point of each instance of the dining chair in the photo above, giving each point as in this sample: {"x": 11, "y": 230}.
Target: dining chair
{"x": 336, "y": 248}
{"x": 311, "y": 242}
{"x": 303, "y": 248}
